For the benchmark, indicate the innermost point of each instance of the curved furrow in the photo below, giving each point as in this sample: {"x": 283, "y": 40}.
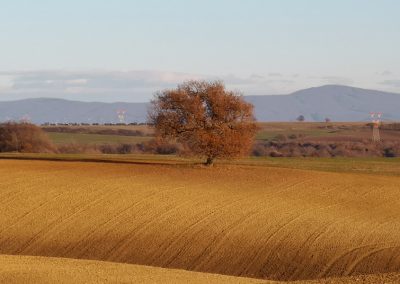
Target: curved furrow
{"x": 352, "y": 267}
{"x": 159, "y": 218}
{"x": 311, "y": 211}
{"x": 58, "y": 222}
{"x": 340, "y": 257}
{"x": 251, "y": 221}
{"x": 286, "y": 188}
{"x": 118, "y": 221}
{"x": 109, "y": 221}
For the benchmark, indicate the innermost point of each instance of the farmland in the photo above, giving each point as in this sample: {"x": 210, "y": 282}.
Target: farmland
{"x": 275, "y": 219}
{"x": 99, "y": 134}
{"x": 25, "y": 269}
{"x": 272, "y": 139}
{"x": 305, "y": 131}
{"x": 86, "y": 138}
{"x": 319, "y": 131}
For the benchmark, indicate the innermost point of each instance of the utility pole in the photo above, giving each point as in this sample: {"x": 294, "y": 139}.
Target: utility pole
{"x": 121, "y": 115}
{"x": 376, "y": 121}
{"x": 15, "y": 139}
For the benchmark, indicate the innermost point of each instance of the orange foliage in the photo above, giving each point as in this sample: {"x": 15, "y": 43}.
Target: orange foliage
{"x": 206, "y": 118}
{"x": 24, "y": 137}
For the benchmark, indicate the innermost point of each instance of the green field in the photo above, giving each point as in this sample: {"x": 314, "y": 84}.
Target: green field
{"x": 272, "y": 130}
{"x": 274, "y": 134}
{"x": 267, "y": 131}
{"x": 82, "y": 138}
{"x": 381, "y": 166}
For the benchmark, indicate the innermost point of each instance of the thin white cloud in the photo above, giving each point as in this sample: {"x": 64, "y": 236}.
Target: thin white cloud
{"x": 386, "y": 73}
{"x": 5, "y": 82}
{"x": 79, "y": 82}
{"x": 115, "y": 85}
{"x": 134, "y": 85}
{"x": 140, "y": 85}
{"x": 275, "y": 74}
{"x": 337, "y": 80}
{"x": 391, "y": 83}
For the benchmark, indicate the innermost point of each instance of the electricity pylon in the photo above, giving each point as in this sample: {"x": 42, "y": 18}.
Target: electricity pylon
{"x": 376, "y": 121}
{"x": 121, "y": 115}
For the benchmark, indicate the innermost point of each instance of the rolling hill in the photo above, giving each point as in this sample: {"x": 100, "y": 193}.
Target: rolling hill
{"x": 248, "y": 221}
{"x": 28, "y": 269}
{"x": 31, "y": 269}
{"x": 339, "y": 103}
{"x": 43, "y": 110}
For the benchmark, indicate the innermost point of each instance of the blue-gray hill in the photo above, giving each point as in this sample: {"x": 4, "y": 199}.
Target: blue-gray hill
{"x": 339, "y": 103}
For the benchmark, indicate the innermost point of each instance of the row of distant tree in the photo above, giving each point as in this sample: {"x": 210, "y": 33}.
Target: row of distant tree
{"x": 301, "y": 118}
{"x": 92, "y": 124}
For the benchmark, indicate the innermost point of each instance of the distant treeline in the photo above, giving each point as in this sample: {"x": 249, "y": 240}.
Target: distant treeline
{"x": 150, "y": 147}
{"x": 92, "y": 124}
{"x": 102, "y": 131}
{"x": 29, "y": 138}
{"x": 266, "y": 149}
{"x": 390, "y": 126}
{"x": 364, "y": 148}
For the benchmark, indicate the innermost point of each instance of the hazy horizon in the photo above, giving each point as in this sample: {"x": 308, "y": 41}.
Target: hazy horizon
{"x": 89, "y": 99}
{"x": 127, "y": 50}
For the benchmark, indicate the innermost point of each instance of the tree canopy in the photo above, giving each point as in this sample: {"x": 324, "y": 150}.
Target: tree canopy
{"x": 206, "y": 118}
{"x": 24, "y": 137}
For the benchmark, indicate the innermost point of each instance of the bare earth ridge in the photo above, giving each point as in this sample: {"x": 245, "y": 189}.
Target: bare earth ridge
{"x": 34, "y": 269}
{"x": 259, "y": 222}
{"x": 29, "y": 269}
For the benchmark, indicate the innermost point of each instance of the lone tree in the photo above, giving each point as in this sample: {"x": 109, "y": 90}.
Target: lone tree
{"x": 327, "y": 122}
{"x": 300, "y": 118}
{"x": 206, "y": 118}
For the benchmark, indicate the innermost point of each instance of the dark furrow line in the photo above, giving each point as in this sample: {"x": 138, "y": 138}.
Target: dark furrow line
{"x": 224, "y": 206}
{"x": 159, "y": 218}
{"x": 111, "y": 251}
{"x": 108, "y": 221}
{"x": 55, "y": 224}
{"x": 350, "y": 270}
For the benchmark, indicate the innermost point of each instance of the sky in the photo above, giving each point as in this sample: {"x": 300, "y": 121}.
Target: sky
{"x": 126, "y": 50}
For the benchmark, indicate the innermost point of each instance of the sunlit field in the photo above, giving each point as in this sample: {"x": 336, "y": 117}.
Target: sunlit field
{"x": 273, "y": 219}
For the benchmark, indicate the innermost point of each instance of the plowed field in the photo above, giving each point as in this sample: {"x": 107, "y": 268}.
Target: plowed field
{"x": 251, "y": 221}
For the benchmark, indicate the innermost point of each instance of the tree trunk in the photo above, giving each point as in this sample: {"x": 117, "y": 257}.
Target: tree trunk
{"x": 210, "y": 161}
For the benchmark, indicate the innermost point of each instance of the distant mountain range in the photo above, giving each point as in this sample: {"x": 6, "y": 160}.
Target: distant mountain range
{"x": 339, "y": 103}
{"x": 44, "y": 110}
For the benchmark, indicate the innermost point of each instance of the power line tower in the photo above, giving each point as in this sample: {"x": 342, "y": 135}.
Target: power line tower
{"x": 121, "y": 115}
{"x": 376, "y": 122}
{"x": 25, "y": 118}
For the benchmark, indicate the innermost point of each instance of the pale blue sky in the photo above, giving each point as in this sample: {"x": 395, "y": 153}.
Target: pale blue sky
{"x": 126, "y": 50}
